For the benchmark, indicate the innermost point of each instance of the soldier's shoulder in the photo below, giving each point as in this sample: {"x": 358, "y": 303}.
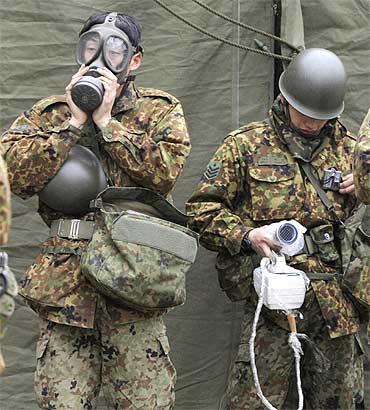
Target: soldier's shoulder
{"x": 42, "y": 105}
{"x": 366, "y": 121}
{"x": 365, "y": 126}
{"x": 159, "y": 94}
{"x": 250, "y": 131}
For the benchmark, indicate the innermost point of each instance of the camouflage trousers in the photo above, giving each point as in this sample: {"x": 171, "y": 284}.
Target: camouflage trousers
{"x": 331, "y": 369}
{"x": 129, "y": 362}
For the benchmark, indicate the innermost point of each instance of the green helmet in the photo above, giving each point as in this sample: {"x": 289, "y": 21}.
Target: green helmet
{"x": 78, "y": 181}
{"x": 315, "y": 83}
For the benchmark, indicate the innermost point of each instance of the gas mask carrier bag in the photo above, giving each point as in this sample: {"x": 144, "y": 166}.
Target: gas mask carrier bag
{"x": 141, "y": 249}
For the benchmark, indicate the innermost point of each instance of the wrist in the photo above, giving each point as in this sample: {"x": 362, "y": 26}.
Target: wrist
{"x": 246, "y": 245}
{"x": 102, "y": 123}
{"x": 76, "y": 123}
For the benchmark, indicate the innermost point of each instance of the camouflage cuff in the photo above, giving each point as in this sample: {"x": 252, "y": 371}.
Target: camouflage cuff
{"x": 68, "y": 131}
{"x": 235, "y": 238}
{"x": 74, "y": 130}
{"x": 112, "y": 131}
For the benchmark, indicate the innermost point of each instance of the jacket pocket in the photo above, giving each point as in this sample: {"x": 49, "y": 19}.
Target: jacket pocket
{"x": 274, "y": 193}
{"x": 52, "y": 277}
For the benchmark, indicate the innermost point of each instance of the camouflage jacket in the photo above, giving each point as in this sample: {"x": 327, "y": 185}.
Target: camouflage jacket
{"x": 253, "y": 180}
{"x": 145, "y": 144}
{"x": 361, "y": 169}
{"x": 5, "y": 208}
{"x": 6, "y": 299}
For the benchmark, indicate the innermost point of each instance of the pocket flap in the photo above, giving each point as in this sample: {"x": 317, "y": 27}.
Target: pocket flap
{"x": 134, "y": 136}
{"x": 155, "y": 233}
{"x": 272, "y": 173}
{"x": 322, "y": 234}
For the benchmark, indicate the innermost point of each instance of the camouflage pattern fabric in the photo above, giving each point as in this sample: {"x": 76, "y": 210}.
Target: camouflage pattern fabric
{"x": 300, "y": 146}
{"x": 7, "y": 303}
{"x": 356, "y": 256}
{"x": 331, "y": 369}
{"x": 361, "y": 170}
{"x": 259, "y": 182}
{"x": 145, "y": 144}
{"x": 5, "y": 207}
{"x": 253, "y": 180}
{"x": 129, "y": 362}
{"x": 128, "y": 261}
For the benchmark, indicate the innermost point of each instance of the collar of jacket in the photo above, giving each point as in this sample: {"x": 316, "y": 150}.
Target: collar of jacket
{"x": 127, "y": 101}
{"x": 299, "y": 146}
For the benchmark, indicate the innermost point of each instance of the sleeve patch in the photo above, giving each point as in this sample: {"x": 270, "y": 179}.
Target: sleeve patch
{"x": 212, "y": 170}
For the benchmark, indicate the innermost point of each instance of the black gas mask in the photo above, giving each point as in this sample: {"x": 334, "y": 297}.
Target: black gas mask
{"x": 103, "y": 45}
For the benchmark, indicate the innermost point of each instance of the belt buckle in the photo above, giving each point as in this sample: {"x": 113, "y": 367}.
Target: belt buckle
{"x": 73, "y": 230}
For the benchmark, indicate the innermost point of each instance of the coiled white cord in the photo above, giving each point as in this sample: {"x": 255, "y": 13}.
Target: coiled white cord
{"x": 293, "y": 341}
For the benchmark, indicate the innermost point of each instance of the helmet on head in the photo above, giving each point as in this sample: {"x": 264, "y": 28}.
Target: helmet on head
{"x": 315, "y": 83}
{"x": 78, "y": 181}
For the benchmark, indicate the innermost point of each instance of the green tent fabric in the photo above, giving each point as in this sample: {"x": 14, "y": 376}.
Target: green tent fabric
{"x": 221, "y": 88}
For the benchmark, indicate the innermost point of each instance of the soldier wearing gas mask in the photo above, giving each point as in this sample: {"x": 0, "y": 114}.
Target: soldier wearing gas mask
{"x": 104, "y": 131}
{"x": 270, "y": 171}
{"x": 102, "y": 46}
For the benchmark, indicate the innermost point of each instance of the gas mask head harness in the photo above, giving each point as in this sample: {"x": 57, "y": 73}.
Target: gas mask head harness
{"x": 102, "y": 45}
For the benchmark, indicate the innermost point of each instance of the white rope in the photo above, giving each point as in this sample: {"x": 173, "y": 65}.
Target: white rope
{"x": 293, "y": 342}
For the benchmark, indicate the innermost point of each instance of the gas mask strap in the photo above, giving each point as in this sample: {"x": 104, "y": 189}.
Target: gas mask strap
{"x": 129, "y": 79}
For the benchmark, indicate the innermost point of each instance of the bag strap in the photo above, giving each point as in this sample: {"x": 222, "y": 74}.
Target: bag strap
{"x": 142, "y": 200}
{"x": 307, "y": 169}
{"x": 72, "y": 229}
{"x": 56, "y": 250}
{"x": 326, "y": 276}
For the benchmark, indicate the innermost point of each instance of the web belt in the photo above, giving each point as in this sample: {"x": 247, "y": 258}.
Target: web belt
{"x": 327, "y": 276}
{"x": 72, "y": 229}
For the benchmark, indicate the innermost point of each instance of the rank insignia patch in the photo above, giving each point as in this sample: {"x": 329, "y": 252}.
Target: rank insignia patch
{"x": 212, "y": 171}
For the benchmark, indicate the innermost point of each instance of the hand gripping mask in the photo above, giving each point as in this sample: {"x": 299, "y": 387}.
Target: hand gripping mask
{"x": 104, "y": 45}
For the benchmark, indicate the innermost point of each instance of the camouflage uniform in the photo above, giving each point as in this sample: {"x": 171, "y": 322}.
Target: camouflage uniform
{"x": 361, "y": 169}
{"x": 254, "y": 179}
{"x": 5, "y": 208}
{"x": 145, "y": 144}
{"x": 10, "y": 290}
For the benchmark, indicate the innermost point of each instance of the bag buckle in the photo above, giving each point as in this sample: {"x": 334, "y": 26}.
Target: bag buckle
{"x": 96, "y": 203}
{"x": 310, "y": 247}
{"x": 73, "y": 228}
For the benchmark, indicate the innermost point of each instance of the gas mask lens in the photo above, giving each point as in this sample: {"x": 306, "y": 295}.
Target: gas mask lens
{"x": 116, "y": 53}
{"x": 88, "y": 47}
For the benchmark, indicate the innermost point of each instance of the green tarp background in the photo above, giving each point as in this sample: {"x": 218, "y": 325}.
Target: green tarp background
{"x": 220, "y": 88}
